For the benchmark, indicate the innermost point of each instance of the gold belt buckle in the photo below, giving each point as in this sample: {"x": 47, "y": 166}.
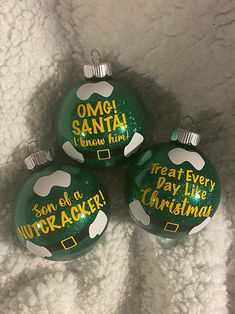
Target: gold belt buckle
{"x": 68, "y": 243}
{"x": 171, "y": 227}
{"x": 103, "y": 154}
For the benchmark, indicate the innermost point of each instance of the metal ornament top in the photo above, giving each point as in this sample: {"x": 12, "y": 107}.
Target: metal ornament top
{"x": 185, "y": 136}
{"x": 97, "y": 69}
{"x": 38, "y": 159}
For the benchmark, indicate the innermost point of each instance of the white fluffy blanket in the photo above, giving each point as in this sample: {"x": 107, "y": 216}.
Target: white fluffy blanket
{"x": 179, "y": 56}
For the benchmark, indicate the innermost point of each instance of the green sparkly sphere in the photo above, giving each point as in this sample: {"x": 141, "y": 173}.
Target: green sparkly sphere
{"x": 101, "y": 123}
{"x": 61, "y": 211}
{"x": 172, "y": 190}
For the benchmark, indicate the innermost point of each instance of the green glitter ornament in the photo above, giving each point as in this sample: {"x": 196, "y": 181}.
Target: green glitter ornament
{"x": 172, "y": 188}
{"x": 101, "y": 122}
{"x": 61, "y": 210}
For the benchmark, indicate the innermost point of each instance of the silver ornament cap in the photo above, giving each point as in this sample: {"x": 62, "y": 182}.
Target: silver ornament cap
{"x": 39, "y": 158}
{"x": 185, "y": 137}
{"x": 97, "y": 69}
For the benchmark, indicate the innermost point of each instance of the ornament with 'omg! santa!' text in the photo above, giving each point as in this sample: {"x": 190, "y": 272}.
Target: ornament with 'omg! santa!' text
{"x": 61, "y": 210}
{"x": 101, "y": 122}
{"x": 173, "y": 188}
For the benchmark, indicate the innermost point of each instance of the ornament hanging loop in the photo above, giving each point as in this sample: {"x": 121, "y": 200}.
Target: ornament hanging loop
{"x": 187, "y": 123}
{"x": 95, "y": 56}
{"x": 31, "y": 146}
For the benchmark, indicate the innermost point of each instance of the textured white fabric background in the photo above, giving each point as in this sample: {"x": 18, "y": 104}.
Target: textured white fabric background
{"x": 179, "y": 56}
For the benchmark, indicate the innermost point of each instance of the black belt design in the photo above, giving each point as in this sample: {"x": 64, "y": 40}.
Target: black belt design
{"x": 68, "y": 243}
{"x": 171, "y": 226}
{"x": 103, "y": 154}
{"x": 65, "y": 244}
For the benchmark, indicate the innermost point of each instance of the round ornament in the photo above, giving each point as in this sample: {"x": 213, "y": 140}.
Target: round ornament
{"x": 172, "y": 188}
{"x": 61, "y": 210}
{"x": 101, "y": 121}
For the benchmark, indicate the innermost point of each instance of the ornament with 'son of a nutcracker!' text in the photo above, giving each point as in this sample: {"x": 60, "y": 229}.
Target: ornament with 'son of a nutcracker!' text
{"x": 101, "y": 122}
{"x": 61, "y": 210}
{"x": 172, "y": 188}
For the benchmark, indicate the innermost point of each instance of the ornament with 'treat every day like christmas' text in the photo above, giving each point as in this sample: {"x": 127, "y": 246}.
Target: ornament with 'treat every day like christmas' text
{"x": 172, "y": 188}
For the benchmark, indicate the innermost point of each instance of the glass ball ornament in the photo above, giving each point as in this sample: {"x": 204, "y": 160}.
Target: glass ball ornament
{"x": 172, "y": 188}
{"x": 61, "y": 210}
{"x": 101, "y": 122}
